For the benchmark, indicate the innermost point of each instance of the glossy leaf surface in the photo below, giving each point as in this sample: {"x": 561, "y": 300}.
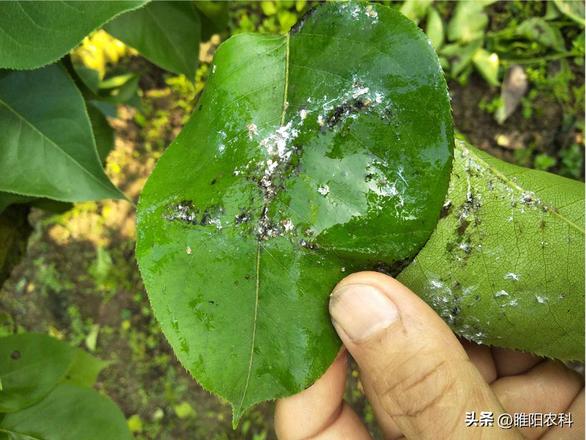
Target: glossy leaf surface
{"x": 165, "y": 32}
{"x": 69, "y": 412}
{"x": 47, "y": 147}
{"x": 36, "y": 33}
{"x": 31, "y": 365}
{"x": 329, "y": 153}
{"x": 506, "y": 264}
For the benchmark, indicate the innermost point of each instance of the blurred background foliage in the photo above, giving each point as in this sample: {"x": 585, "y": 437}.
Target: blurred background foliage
{"x": 516, "y": 76}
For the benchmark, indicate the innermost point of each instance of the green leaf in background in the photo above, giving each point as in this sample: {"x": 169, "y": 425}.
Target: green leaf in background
{"x": 103, "y": 132}
{"x": 537, "y": 29}
{"x": 119, "y": 89}
{"x": 214, "y": 17}
{"x": 572, "y": 8}
{"x": 294, "y": 169}
{"x": 488, "y": 65}
{"x": 47, "y": 148}
{"x": 461, "y": 56}
{"x": 415, "y": 9}
{"x": 85, "y": 369}
{"x": 165, "y": 32}
{"x": 69, "y": 412}
{"x": 469, "y": 21}
{"x": 505, "y": 265}
{"x": 90, "y": 78}
{"x": 31, "y": 365}
{"x": 435, "y": 28}
{"x": 33, "y": 34}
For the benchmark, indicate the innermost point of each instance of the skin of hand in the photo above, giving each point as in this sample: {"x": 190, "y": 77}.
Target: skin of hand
{"x": 420, "y": 379}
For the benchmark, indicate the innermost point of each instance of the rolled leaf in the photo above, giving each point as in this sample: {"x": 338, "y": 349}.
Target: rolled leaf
{"x": 505, "y": 265}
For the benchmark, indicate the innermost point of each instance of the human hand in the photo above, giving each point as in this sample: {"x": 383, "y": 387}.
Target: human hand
{"x": 420, "y": 379}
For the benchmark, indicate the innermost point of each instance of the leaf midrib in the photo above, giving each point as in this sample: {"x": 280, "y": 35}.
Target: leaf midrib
{"x": 54, "y": 145}
{"x": 517, "y": 187}
{"x": 259, "y": 247}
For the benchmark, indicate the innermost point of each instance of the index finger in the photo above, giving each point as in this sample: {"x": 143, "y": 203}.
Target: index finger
{"x": 320, "y": 411}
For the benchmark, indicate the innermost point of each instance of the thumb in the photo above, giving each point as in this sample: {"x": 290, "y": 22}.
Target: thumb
{"x": 415, "y": 373}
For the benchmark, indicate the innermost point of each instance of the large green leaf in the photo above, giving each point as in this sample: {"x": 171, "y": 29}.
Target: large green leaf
{"x": 47, "y": 147}
{"x": 310, "y": 154}
{"x": 36, "y": 33}
{"x": 69, "y": 412}
{"x": 31, "y": 365}
{"x": 165, "y": 32}
{"x": 506, "y": 264}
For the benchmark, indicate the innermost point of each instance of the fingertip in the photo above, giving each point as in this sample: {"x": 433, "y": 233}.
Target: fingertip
{"x": 312, "y": 410}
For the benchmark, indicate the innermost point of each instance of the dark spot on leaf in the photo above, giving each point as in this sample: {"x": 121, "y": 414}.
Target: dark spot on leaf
{"x": 393, "y": 269}
{"x": 184, "y": 211}
{"x": 213, "y": 182}
{"x": 308, "y": 245}
{"x": 446, "y": 209}
{"x": 243, "y": 217}
{"x": 342, "y": 111}
{"x": 462, "y": 226}
{"x": 295, "y": 29}
{"x": 15, "y": 355}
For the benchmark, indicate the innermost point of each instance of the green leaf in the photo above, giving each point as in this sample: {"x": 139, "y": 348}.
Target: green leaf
{"x": 85, "y": 369}
{"x": 90, "y": 78}
{"x": 33, "y": 34}
{"x": 435, "y": 28}
{"x": 31, "y": 365}
{"x": 268, "y": 8}
{"x": 164, "y": 32}
{"x": 69, "y": 412}
{"x": 47, "y": 145}
{"x": 103, "y": 132}
{"x": 469, "y": 21}
{"x": 505, "y": 265}
{"x": 488, "y": 65}
{"x": 572, "y": 8}
{"x": 415, "y": 9}
{"x": 118, "y": 89}
{"x": 295, "y": 168}
{"x": 214, "y": 17}
{"x": 460, "y": 56}
{"x": 537, "y": 29}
